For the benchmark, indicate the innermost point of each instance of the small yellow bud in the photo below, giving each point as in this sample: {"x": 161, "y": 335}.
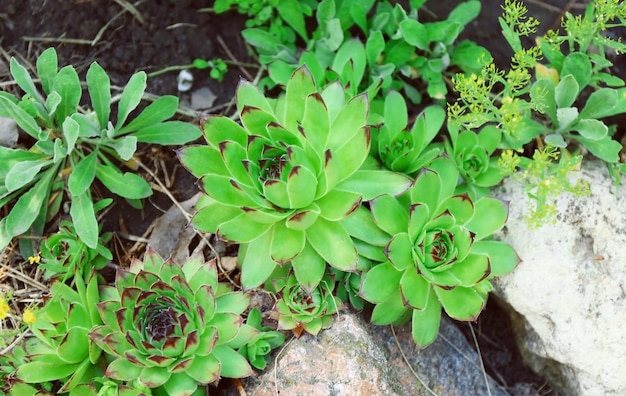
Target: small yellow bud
{"x": 4, "y": 308}
{"x": 28, "y": 316}
{"x": 34, "y": 259}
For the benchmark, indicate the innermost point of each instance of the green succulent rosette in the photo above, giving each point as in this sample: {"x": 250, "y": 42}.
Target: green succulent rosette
{"x": 407, "y": 150}
{"x": 472, "y": 154}
{"x": 171, "y": 326}
{"x": 280, "y": 183}
{"x": 434, "y": 252}
{"x": 261, "y": 343}
{"x": 300, "y": 310}
{"x": 61, "y": 349}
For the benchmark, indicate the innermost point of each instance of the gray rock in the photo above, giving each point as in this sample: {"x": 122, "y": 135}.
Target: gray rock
{"x": 355, "y": 358}
{"x": 8, "y": 132}
{"x": 569, "y": 291}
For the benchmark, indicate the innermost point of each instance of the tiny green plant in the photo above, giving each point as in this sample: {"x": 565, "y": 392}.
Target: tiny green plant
{"x": 61, "y": 349}
{"x": 258, "y": 348}
{"x": 70, "y": 147}
{"x": 433, "y": 250}
{"x": 172, "y": 326}
{"x": 65, "y": 255}
{"x": 301, "y": 310}
{"x": 280, "y": 183}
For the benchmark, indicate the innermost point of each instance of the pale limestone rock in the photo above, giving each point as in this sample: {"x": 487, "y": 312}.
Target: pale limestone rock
{"x": 570, "y": 287}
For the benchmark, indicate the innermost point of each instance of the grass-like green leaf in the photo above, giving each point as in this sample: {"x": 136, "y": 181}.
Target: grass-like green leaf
{"x": 24, "y": 80}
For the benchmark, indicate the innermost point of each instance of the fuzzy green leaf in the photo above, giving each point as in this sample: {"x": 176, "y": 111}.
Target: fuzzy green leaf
{"x": 126, "y": 185}
{"x": 99, "y": 86}
{"x": 131, "y": 96}
{"x": 84, "y": 219}
{"x": 84, "y": 172}
{"x": 591, "y": 129}
{"x": 67, "y": 85}
{"x": 168, "y": 133}
{"x": 156, "y": 112}
{"x": 47, "y": 67}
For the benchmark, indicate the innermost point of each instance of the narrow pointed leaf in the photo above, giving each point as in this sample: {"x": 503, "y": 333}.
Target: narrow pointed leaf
{"x": 131, "y": 96}
{"x": 99, "y": 87}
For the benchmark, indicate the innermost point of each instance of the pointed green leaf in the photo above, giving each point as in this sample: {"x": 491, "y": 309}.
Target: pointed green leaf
{"x": 399, "y": 251}
{"x": 67, "y": 85}
{"x": 241, "y": 229}
{"x": 40, "y": 372}
{"x": 349, "y": 121}
{"x": 372, "y": 183}
{"x": 490, "y": 215}
{"x": 24, "y": 80}
{"x": 299, "y": 87}
{"x": 28, "y": 206}
{"x": 380, "y": 283}
{"x": 461, "y": 303}
{"x": 390, "y": 310}
{"x": 47, "y": 67}
{"x": 257, "y": 264}
{"x": 600, "y": 104}
{"x": 233, "y": 365}
{"x": 502, "y": 256}
{"x": 389, "y": 214}
{"x": 361, "y": 225}
{"x": 168, "y": 133}
{"x": 202, "y": 159}
{"x": 473, "y": 269}
{"x": 219, "y": 129}
{"x": 156, "y": 112}
{"x": 225, "y": 190}
{"x": 309, "y": 268}
{"x": 22, "y": 173}
{"x": 426, "y": 322}
{"x": 606, "y": 149}
{"x": 333, "y": 243}
{"x": 315, "y": 122}
{"x": 287, "y": 243}
{"x": 249, "y": 95}
{"x": 24, "y": 120}
{"x": 131, "y": 96}
{"x": 415, "y": 289}
{"x": 301, "y": 187}
{"x": 74, "y": 348}
{"x": 303, "y": 219}
{"x": 337, "y": 204}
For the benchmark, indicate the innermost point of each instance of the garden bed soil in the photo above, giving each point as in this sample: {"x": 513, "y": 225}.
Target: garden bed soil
{"x": 152, "y": 35}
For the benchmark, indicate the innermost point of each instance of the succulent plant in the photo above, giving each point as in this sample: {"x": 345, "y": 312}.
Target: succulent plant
{"x": 404, "y": 150}
{"x": 301, "y": 310}
{"x": 258, "y": 348}
{"x": 472, "y": 154}
{"x": 169, "y": 325}
{"x": 435, "y": 252}
{"x": 61, "y": 349}
{"x": 280, "y": 184}
{"x": 348, "y": 284}
{"x": 65, "y": 254}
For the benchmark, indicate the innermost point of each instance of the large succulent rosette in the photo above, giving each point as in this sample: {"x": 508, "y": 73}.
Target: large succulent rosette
{"x": 280, "y": 183}
{"x": 434, "y": 252}
{"x": 172, "y": 326}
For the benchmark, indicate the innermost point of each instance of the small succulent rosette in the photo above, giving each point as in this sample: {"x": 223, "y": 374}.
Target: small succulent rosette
{"x": 472, "y": 154}
{"x": 61, "y": 349}
{"x": 280, "y": 183}
{"x": 407, "y": 150}
{"x": 259, "y": 346}
{"x": 171, "y": 326}
{"x": 300, "y": 310}
{"x": 434, "y": 252}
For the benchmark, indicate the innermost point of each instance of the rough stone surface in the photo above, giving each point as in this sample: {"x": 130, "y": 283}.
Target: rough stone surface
{"x": 8, "y": 132}
{"x": 569, "y": 291}
{"x": 355, "y": 358}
